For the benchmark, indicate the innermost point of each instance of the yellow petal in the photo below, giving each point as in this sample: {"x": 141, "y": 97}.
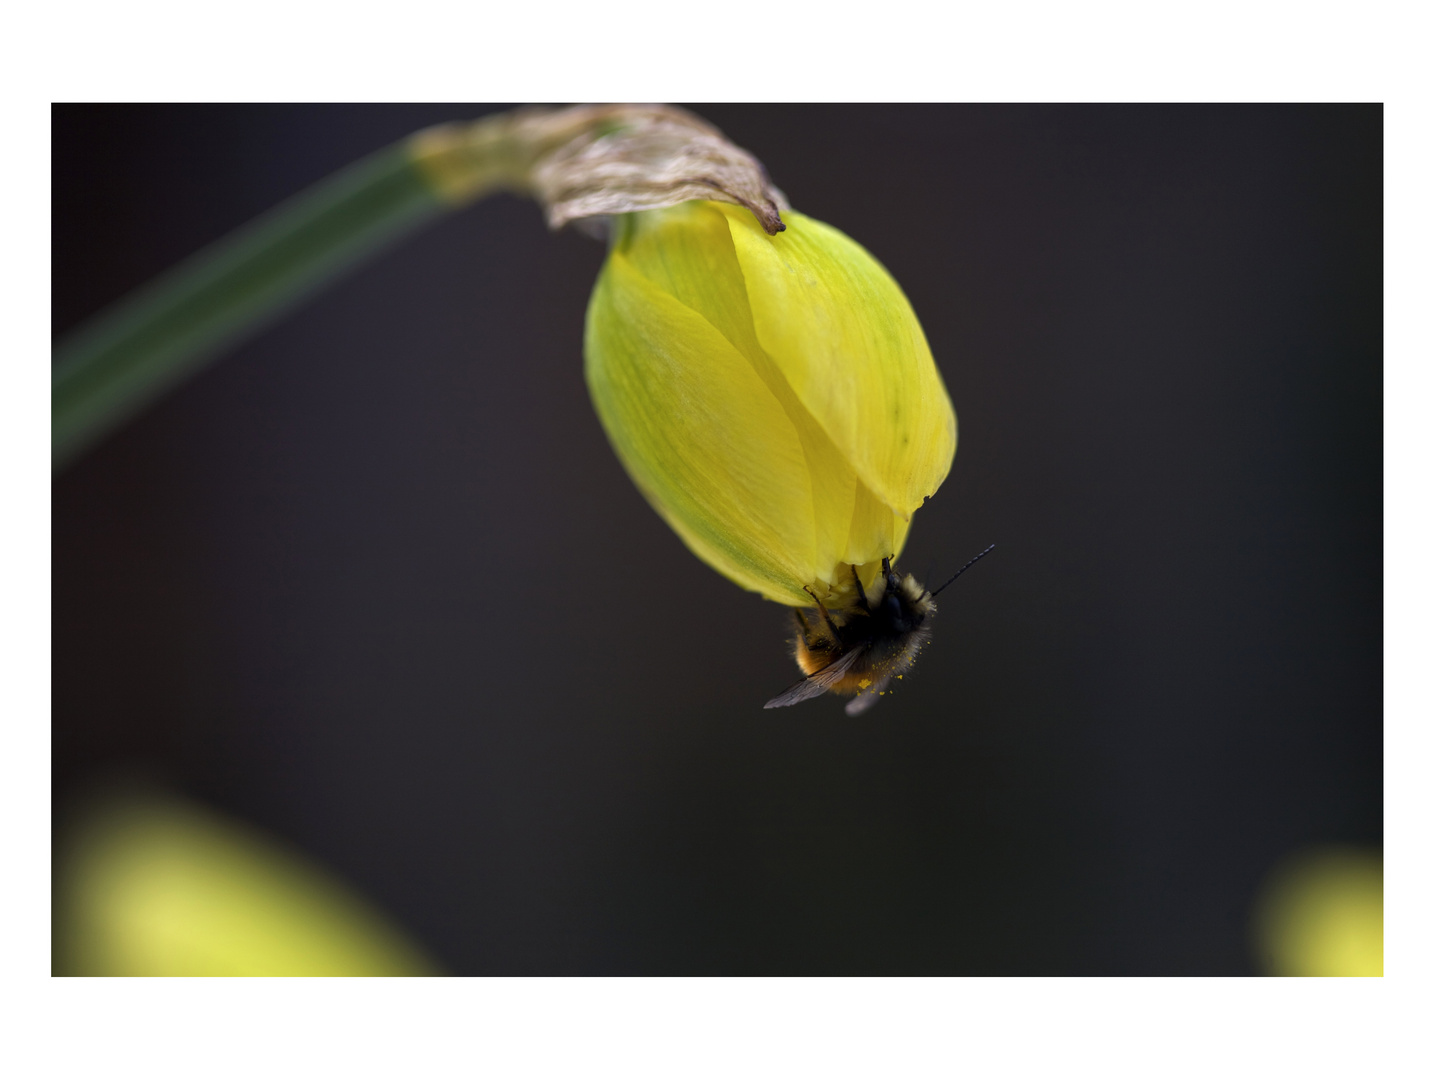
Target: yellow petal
{"x": 848, "y": 343}
{"x": 1321, "y": 912}
{"x": 156, "y": 886}
{"x": 700, "y": 433}
{"x": 710, "y": 424}
{"x": 687, "y": 252}
{"x": 875, "y": 531}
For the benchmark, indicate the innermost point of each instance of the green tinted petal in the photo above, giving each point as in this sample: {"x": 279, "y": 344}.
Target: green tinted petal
{"x": 671, "y": 318}
{"x": 850, "y": 346}
{"x": 700, "y": 433}
{"x": 687, "y": 252}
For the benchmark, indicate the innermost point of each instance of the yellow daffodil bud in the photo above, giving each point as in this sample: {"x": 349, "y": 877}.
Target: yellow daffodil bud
{"x": 772, "y": 396}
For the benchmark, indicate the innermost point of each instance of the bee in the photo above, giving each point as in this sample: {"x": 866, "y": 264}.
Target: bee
{"x": 862, "y": 646}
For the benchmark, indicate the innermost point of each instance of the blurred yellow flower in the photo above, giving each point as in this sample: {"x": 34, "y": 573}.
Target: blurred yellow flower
{"x": 157, "y": 886}
{"x": 1322, "y": 912}
{"x": 773, "y": 397}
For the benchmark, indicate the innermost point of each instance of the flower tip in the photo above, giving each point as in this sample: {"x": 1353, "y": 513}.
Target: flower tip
{"x": 767, "y": 216}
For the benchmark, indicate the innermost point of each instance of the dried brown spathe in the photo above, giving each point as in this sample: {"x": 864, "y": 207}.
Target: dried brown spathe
{"x": 586, "y": 161}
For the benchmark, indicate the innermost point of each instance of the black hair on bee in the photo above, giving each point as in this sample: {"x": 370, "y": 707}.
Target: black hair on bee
{"x": 861, "y": 646}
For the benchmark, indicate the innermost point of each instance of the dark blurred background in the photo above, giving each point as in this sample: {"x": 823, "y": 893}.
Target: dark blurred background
{"x": 376, "y": 584}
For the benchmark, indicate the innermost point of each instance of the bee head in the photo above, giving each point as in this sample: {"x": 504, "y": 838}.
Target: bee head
{"x": 893, "y": 612}
{"x": 904, "y": 606}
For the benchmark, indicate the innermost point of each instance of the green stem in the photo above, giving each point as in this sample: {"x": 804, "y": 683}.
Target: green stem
{"x": 112, "y": 367}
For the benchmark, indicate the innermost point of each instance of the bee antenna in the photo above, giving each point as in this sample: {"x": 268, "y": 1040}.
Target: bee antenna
{"x": 962, "y": 571}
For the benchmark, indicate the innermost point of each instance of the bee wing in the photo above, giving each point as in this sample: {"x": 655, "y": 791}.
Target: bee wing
{"x": 867, "y": 698}
{"x": 818, "y": 683}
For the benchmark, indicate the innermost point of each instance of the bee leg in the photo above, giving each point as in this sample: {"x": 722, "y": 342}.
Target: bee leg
{"x": 887, "y": 575}
{"x": 861, "y": 592}
{"x": 831, "y": 626}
